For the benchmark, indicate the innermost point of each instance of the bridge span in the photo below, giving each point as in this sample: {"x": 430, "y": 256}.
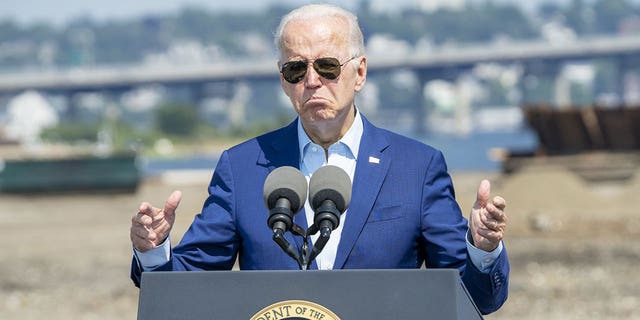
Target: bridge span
{"x": 123, "y": 78}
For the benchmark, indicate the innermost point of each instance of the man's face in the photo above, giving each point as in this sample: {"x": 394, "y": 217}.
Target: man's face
{"x": 318, "y": 100}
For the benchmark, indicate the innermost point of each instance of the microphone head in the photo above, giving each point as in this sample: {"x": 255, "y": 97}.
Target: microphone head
{"x": 285, "y": 182}
{"x": 330, "y": 183}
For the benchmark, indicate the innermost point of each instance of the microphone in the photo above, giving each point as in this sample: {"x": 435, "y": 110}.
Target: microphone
{"x": 329, "y": 196}
{"x": 285, "y": 192}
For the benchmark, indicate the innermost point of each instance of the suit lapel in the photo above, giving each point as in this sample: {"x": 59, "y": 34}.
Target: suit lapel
{"x": 281, "y": 149}
{"x": 371, "y": 168}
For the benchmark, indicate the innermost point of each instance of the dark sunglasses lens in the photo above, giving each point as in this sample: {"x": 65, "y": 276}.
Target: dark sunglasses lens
{"x": 327, "y": 67}
{"x": 294, "y": 71}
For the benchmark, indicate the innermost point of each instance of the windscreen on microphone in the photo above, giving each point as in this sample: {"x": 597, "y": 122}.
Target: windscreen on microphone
{"x": 285, "y": 182}
{"x": 330, "y": 183}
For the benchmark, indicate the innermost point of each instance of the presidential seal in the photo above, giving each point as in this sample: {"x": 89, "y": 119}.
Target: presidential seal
{"x": 295, "y": 310}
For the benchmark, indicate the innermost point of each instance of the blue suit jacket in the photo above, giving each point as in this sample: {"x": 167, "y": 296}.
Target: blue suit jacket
{"x": 402, "y": 214}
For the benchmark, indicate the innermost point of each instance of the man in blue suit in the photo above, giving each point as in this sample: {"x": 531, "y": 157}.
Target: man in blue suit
{"x": 402, "y": 214}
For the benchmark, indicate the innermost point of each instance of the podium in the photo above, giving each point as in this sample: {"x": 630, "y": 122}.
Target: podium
{"x": 312, "y": 294}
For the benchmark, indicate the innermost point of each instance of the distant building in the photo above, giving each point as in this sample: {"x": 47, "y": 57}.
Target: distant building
{"x": 26, "y": 116}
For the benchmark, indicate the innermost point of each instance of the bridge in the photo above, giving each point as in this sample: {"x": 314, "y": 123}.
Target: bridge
{"x": 119, "y": 78}
{"x": 541, "y": 59}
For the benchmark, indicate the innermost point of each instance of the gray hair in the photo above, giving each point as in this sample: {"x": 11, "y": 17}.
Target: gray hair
{"x": 356, "y": 40}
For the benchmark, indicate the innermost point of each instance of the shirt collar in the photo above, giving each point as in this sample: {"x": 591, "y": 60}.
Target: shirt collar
{"x": 351, "y": 139}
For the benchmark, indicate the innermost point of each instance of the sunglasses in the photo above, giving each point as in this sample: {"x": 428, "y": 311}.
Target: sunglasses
{"x": 328, "y": 68}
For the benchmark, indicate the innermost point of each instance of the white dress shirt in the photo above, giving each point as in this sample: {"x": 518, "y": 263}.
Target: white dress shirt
{"x": 342, "y": 154}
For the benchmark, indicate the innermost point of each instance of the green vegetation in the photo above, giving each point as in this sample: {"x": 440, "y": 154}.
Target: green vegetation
{"x": 179, "y": 123}
{"x": 71, "y": 132}
{"x": 178, "y": 120}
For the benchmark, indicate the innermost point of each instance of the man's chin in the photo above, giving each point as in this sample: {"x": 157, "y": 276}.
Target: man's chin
{"x": 320, "y": 116}
{"x": 315, "y": 111}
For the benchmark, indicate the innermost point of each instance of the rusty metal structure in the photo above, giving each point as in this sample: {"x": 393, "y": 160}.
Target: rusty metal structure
{"x": 597, "y": 143}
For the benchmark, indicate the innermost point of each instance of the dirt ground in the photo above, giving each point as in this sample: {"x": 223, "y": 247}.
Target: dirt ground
{"x": 572, "y": 246}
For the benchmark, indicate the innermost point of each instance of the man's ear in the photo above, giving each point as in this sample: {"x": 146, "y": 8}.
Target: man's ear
{"x": 361, "y": 76}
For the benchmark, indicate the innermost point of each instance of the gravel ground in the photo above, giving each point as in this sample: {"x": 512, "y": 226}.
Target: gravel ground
{"x": 573, "y": 247}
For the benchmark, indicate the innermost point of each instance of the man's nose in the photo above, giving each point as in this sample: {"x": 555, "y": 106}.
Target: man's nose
{"x": 312, "y": 77}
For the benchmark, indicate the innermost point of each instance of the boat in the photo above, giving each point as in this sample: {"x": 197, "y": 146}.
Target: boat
{"x": 116, "y": 173}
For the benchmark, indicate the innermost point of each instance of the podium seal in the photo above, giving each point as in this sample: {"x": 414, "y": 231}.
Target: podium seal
{"x": 295, "y": 310}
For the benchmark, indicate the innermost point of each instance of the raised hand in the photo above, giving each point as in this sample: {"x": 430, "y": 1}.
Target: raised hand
{"x": 488, "y": 220}
{"x": 151, "y": 226}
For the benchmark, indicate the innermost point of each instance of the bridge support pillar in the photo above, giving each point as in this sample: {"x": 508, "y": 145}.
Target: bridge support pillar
{"x": 540, "y": 84}
{"x": 238, "y": 104}
{"x": 630, "y": 80}
{"x": 423, "y": 105}
{"x": 72, "y": 106}
{"x": 463, "y": 108}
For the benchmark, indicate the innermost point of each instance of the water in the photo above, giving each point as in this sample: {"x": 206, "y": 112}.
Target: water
{"x": 154, "y": 167}
{"x": 462, "y": 153}
{"x": 471, "y": 153}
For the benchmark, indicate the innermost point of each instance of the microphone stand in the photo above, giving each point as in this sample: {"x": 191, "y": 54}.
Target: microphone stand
{"x": 326, "y": 219}
{"x": 323, "y": 238}
{"x": 305, "y": 256}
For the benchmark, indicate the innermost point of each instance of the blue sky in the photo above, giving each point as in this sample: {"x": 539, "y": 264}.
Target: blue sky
{"x": 29, "y": 11}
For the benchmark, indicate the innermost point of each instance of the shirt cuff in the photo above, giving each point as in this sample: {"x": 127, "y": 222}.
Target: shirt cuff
{"x": 155, "y": 257}
{"x": 483, "y": 260}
